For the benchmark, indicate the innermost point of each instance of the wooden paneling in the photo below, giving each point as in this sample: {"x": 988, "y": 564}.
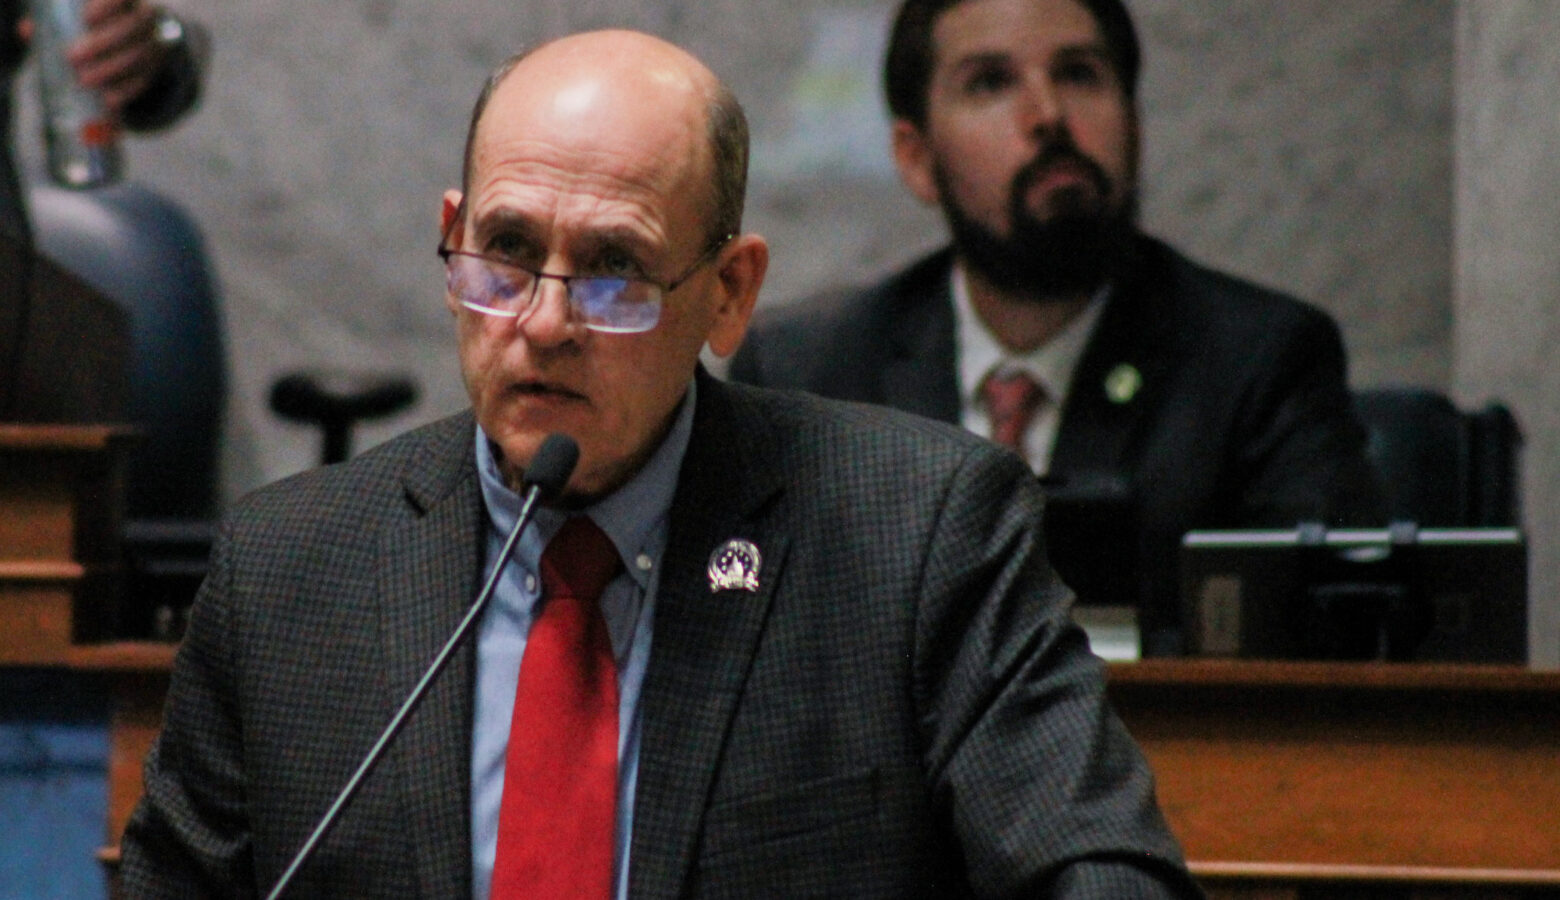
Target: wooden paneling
{"x": 1353, "y": 773}
{"x": 61, "y": 492}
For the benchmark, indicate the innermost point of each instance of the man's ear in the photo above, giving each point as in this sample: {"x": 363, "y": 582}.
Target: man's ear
{"x": 450, "y": 233}
{"x": 913, "y": 157}
{"x": 740, "y": 270}
{"x": 448, "y": 210}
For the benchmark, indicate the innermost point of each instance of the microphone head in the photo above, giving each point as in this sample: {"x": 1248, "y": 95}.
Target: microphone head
{"x": 552, "y": 465}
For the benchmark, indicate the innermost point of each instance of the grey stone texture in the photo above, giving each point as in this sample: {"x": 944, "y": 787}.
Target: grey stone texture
{"x": 1506, "y": 322}
{"x": 1385, "y": 159}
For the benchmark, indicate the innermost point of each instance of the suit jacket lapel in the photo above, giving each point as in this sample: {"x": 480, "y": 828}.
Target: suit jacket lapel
{"x": 921, "y": 374}
{"x": 704, "y": 641}
{"x": 1119, "y": 381}
{"x": 428, "y": 577}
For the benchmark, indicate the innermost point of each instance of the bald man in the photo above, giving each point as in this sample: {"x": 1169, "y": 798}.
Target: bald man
{"x": 763, "y": 645}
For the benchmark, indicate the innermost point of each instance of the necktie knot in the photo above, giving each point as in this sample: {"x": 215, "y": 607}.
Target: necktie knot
{"x": 579, "y": 561}
{"x": 1011, "y": 400}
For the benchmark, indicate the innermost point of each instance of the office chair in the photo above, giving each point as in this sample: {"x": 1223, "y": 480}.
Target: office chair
{"x": 147, "y": 255}
{"x": 144, "y": 252}
{"x": 1441, "y": 466}
{"x": 336, "y": 400}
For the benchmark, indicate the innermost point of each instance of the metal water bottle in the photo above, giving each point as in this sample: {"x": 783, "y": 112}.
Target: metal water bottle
{"x": 81, "y": 142}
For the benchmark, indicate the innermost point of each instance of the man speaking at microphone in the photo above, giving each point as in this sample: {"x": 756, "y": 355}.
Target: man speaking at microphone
{"x": 763, "y": 645}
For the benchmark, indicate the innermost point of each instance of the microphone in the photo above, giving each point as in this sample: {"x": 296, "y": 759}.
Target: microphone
{"x": 544, "y": 480}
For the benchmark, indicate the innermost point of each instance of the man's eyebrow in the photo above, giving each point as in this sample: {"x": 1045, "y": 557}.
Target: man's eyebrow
{"x": 980, "y": 58}
{"x": 502, "y": 220}
{"x": 1092, "y": 50}
{"x": 624, "y": 238}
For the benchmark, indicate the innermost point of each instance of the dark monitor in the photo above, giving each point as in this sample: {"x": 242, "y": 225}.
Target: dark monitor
{"x": 1400, "y": 593}
{"x": 1091, "y": 535}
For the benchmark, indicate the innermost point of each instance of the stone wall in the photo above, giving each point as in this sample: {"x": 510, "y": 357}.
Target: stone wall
{"x": 1507, "y": 272}
{"x": 1353, "y": 154}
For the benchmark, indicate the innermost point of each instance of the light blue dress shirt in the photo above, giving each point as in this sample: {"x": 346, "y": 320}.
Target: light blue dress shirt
{"x": 635, "y": 518}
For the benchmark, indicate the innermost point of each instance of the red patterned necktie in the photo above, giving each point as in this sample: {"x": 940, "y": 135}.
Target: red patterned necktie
{"x": 1011, "y": 400}
{"x": 558, "y": 816}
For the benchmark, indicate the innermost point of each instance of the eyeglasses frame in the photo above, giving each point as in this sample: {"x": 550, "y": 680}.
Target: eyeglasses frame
{"x": 444, "y": 253}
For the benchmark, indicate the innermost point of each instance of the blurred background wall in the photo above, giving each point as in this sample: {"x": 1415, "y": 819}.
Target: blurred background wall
{"x": 1385, "y": 159}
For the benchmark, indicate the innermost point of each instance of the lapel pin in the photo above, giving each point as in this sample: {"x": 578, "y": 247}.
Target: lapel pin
{"x": 734, "y": 567}
{"x": 1123, "y": 383}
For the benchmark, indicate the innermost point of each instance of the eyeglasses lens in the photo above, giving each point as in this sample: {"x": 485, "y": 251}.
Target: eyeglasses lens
{"x": 484, "y": 287}
{"x": 616, "y": 305}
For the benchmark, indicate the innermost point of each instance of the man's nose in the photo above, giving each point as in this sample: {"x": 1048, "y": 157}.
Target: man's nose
{"x": 1041, "y": 107}
{"x": 550, "y": 321}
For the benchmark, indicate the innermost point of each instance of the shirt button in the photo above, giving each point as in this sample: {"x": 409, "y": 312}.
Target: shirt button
{"x": 644, "y": 562}
{"x": 530, "y": 583}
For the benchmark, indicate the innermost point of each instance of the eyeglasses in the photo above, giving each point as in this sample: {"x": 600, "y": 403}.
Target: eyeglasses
{"x": 607, "y": 303}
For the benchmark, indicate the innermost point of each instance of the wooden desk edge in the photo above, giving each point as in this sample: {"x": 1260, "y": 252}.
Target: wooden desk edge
{"x": 1250, "y": 673}
{"x": 126, "y": 657}
{"x": 16, "y": 436}
{"x": 1424, "y": 875}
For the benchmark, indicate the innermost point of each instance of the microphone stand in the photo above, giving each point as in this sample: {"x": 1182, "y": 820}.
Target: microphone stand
{"x": 548, "y": 484}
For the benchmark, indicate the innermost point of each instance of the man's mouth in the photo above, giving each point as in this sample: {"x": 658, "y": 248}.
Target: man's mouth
{"x": 545, "y": 391}
{"x": 1064, "y": 170}
{"x": 1057, "y": 181}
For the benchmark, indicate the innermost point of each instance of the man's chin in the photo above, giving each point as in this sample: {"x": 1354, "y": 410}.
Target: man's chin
{"x": 1057, "y": 261}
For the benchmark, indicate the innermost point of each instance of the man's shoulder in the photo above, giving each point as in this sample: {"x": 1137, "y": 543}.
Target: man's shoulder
{"x": 803, "y": 426}
{"x": 858, "y": 306}
{"x": 1217, "y": 300}
{"x": 424, "y": 461}
{"x": 837, "y": 342}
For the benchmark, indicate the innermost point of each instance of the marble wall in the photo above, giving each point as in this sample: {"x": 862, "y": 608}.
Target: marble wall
{"x": 1331, "y": 150}
{"x": 1506, "y": 271}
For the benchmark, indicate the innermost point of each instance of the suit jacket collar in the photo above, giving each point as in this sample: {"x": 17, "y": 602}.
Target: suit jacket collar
{"x": 430, "y": 557}
{"x": 704, "y": 640}
{"x": 921, "y": 372}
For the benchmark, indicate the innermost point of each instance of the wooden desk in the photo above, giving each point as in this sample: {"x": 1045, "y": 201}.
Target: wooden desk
{"x": 1282, "y": 780}
{"x": 61, "y": 514}
{"x": 1297, "y": 779}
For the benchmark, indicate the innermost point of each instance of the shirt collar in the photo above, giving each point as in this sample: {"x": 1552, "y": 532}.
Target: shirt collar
{"x": 633, "y": 516}
{"x": 1051, "y": 364}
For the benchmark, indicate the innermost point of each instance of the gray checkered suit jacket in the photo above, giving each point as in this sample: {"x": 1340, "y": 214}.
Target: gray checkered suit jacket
{"x": 900, "y": 710}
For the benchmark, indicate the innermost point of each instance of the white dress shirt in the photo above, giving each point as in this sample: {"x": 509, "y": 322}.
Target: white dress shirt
{"x": 1051, "y": 366}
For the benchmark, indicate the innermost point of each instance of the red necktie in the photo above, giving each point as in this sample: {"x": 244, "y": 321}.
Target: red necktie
{"x": 1011, "y": 400}
{"x": 557, "y": 819}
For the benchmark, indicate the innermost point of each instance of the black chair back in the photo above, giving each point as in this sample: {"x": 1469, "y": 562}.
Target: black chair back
{"x": 1442, "y": 467}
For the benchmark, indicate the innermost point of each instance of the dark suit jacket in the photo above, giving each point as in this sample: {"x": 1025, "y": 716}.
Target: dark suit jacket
{"x": 901, "y": 710}
{"x": 1243, "y": 418}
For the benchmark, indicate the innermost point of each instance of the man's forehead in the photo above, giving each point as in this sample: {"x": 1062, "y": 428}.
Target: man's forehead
{"x": 581, "y": 211}
{"x": 561, "y": 187}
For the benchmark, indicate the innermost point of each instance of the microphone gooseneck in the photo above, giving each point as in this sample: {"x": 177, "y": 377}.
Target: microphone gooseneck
{"x": 544, "y": 480}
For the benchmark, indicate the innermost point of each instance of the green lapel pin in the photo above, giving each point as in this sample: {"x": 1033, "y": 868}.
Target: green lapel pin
{"x": 1123, "y": 383}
